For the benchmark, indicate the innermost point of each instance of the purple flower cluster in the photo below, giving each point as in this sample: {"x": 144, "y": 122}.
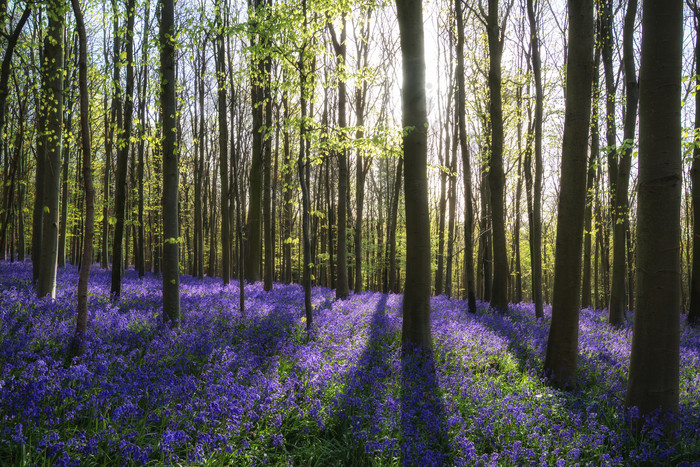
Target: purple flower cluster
{"x": 257, "y": 389}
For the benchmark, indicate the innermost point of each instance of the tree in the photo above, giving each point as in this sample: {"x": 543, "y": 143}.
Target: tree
{"x": 88, "y": 233}
{"x": 495, "y": 33}
{"x": 655, "y": 359}
{"x": 416, "y": 303}
{"x": 562, "y": 345}
{"x": 123, "y": 154}
{"x": 342, "y": 286}
{"x": 53, "y": 69}
{"x": 223, "y": 146}
{"x": 171, "y": 235}
{"x": 618, "y": 302}
{"x": 460, "y": 96}
{"x": 302, "y": 166}
{"x": 535, "y": 214}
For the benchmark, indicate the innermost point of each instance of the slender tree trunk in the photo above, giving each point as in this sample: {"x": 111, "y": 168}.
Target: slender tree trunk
{"x": 86, "y": 260}
{"x": 591, "y": 182}
{"x": 288, "y": 207}
{"x": 64, "y": 191}
{"x": 618, "y": 296}
{"x": 171, "y": 155}
{"x": 393, "y": 222}
{"x": 499, "y": 287}
{"x": 254, "y": 230}
{"x": 342, "y": 287}
{"x": 41, "y": 142}
{"x": 536, "y": 220}
{"x": 655, "y": 359}
{"x": 141, "y": 263}
{"x": 54, "y": 129}
{"x": 442, "y": 206}
{"x": 302, "y": 169}
{"x": 268, "y": 272}
{"x": 416, "y": 303}
{"x": 460, "y": 96}
{"x": 123, "y": 156}
{"x": 223, "y": 149}
{"x": 562, "y": 345}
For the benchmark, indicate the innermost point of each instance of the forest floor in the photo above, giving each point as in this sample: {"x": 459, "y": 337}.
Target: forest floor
{"x": 231, "y": 390}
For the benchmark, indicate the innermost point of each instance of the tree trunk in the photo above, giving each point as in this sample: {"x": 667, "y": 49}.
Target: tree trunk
{"x": 288, "y": 207}
{"x": 562, "y": 345}
{"x": 254, "y": 230}
{"x": 64, "y": 193}
{"x": 86, "y": 260}
{"x": 342, "y": 287}
{"x": 123, "y": 155}
{"x": 618, "y": 296}
{"x": 141, "y": 263}
{"x": 171, "y": 254}
{"x": 393, "y": 222}
{"x": 41, "y": 142}
{"x": 267, "y": 177}
{"x": 590, "y": 187}
{"x": 54, "y": 129}
{"x": 416, "y": 303}
{"x": 654, "y": 367}
{"x": 536, "y": 219}
{"x": 460, "y": 96}
{"x": 302, "y": 168}
{"x": 499, "y": 287}
{"x": 223, "y": 149}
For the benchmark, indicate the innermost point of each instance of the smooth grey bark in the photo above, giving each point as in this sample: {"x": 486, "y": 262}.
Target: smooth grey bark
{"x": 41, "y": 143}
{"x": 54, "y": 129}
{"x": 171, "y": 153}
{"x": 562, "y": 346}
{"x": 393, "y": 283}
{"x": 655, "y": 359}
{"x": 416, "y": 304}
{"x": 268, "y": 267}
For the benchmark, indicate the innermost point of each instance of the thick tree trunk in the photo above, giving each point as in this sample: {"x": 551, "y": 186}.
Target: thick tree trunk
{"x": 654, "y": 367}
{"x": 562, "y": 345}
{"x": 171, "y": 155}
{"x": 460, "y": 96}
{"x": 54, "y": 129}
{"x": 416, "y": 303}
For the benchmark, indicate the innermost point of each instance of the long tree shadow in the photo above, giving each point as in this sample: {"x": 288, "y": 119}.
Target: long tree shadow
{"x": 423, "y": 419}
{"x": 359, "y": 421}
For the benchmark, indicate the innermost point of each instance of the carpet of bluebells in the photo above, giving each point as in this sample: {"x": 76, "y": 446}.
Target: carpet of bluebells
{"x": 227, "y": 389}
